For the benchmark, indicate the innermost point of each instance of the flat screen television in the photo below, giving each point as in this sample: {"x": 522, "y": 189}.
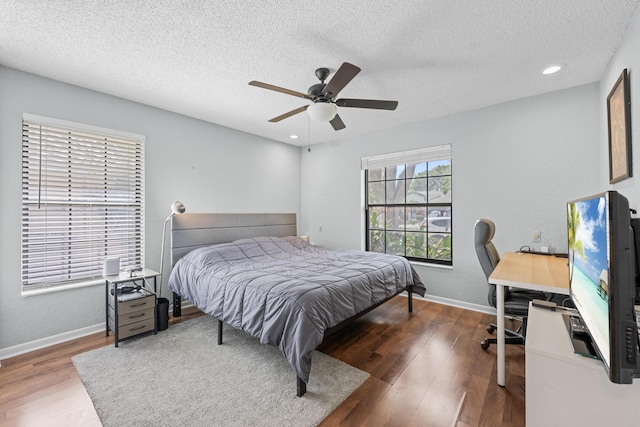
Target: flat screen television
{"x": 602, "y": 276}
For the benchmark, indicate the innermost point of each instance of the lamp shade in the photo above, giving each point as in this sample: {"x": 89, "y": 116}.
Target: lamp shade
{"x": 177, "y": 207}
{"x": 322, "y": 111}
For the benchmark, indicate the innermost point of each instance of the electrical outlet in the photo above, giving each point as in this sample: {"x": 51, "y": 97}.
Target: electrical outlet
{"x": 536, "y": 236}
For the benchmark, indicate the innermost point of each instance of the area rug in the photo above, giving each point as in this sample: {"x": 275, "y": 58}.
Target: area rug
{"x": 182, "y": 377}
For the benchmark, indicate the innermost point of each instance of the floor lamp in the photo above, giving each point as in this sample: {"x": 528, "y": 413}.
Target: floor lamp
{"x": 163, "y": 304}
{"x": 176, "y": 208}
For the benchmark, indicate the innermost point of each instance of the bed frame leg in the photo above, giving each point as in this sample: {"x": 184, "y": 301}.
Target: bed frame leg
{"x": 220, "y": 332}
{"x": 302, "y": 387}
{"x": 177, "y": 305}
{"x": 410, "y": 299}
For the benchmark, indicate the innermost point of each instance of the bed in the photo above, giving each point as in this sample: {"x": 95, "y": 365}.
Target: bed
{"x": 251, "y": 272}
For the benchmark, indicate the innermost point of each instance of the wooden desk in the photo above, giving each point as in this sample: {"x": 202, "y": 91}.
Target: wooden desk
{"x": 527, "y": 271}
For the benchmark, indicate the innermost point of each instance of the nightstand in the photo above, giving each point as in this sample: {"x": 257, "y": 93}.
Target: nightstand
{"x": 133, "y": 313}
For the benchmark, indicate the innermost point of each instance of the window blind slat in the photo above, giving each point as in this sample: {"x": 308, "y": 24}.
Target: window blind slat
{"x": 82, "y": 201}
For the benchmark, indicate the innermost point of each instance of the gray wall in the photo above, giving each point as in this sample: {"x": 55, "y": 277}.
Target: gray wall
{"x": 209, "y": 168}
{"x": 517, "y": 163}
{"x": 627, "y": 56}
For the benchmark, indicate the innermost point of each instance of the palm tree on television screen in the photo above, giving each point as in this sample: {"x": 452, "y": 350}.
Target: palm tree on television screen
{"x": 575, "y": 246}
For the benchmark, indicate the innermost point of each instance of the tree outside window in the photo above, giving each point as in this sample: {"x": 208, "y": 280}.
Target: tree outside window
{"x": 409, "y": 211}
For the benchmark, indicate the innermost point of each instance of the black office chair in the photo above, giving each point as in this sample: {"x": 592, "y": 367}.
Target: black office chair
{"x": 516, "y": 302}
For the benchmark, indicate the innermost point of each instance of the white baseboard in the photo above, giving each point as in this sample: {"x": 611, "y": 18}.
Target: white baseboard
{"x": 460, "y": 304}
{"x": 19, "y": 349}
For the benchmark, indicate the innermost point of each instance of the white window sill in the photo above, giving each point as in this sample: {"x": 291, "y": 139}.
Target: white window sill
{"x": 58, "y": 288}
{"x": 428, "y": 264}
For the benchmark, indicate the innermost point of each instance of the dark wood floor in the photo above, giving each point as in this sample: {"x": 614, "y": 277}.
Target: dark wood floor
{"x": 427, "y": 369}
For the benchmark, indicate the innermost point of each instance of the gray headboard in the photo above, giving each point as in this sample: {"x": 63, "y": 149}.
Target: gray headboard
{"x": 193, "y": 230}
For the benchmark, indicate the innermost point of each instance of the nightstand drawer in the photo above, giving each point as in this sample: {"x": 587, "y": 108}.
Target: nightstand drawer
{"x": 133, "y": 316}
{"x": 136, "y": 328}
{"x": 136, "y": 304}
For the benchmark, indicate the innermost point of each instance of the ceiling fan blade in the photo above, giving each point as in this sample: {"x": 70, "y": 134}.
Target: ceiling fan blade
{"x": 340, "y": 79}
{"x": 367, "y": 103}
{"x": 289, "y": 114}
{"x": 337, "y": 123}
{"x": 280, "y": 89}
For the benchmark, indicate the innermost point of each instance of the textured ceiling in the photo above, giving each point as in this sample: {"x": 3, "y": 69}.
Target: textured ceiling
{"x": 435, "y": 57}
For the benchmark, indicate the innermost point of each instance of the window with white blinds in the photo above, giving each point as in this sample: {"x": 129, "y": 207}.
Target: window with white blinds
{"x": 82, "y": 201}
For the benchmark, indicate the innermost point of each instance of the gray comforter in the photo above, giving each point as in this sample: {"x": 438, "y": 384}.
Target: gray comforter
{"x": 287, "y": 292}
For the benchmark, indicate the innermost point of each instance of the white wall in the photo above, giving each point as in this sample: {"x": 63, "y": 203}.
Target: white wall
{"x": 517, "y": 163}
{"x": 209, "y": 168}
{"x": 627, "y": 56}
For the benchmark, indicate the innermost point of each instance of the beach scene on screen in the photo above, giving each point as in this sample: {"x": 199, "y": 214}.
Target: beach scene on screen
{"x": 589, "y": 267}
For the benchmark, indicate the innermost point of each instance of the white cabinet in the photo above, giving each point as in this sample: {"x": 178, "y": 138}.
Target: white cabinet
{"x": 566, "y": 389}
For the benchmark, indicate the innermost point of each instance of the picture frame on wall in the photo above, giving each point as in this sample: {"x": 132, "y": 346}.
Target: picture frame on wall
{"x": 619, "y": 121}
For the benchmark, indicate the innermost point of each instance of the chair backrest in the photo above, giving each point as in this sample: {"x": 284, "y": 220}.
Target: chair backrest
{"x": 488, "y": 256}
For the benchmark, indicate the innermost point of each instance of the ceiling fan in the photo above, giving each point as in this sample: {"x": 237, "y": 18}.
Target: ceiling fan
{"x": 324, "y": 106}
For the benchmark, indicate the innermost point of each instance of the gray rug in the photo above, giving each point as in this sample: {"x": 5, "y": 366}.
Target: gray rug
{"x": 182, "y": 377}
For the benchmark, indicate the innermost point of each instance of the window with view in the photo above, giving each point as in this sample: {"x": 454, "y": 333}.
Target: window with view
{"x": 408, "y": 204}
{"x": 82, "y": 201}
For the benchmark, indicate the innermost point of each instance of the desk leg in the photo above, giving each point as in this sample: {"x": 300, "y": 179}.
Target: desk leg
{"x": 500, "y": 324}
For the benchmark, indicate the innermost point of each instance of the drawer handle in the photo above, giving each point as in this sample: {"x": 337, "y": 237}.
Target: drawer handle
{"x": 139, "y": 327}
{"x": 139, "y": 304}
{"x": 137, "y": 315}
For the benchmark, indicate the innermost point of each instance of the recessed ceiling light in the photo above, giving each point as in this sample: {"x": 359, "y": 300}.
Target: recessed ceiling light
{"x": 553, "y": 69}
{"x": 294, "y": 137}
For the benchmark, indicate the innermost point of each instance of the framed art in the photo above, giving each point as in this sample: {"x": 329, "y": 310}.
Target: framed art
{"x": 619, "y": 120}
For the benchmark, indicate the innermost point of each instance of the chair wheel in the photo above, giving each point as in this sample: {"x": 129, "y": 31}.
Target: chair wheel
{"x": 484, "y": 344}
{"x": 491, "y": 329}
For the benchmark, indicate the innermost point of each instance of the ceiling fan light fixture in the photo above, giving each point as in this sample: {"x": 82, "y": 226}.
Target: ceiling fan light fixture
{"x": 324, "y": 107}
{"x": 322, "y": 111}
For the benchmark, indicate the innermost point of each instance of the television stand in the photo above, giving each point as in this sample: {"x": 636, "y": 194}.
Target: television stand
{"x": 565, "y": 389}
{"x": 580, "y": 339}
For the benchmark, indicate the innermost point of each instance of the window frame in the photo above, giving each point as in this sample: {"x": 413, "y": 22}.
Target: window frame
{"x": 87, "y": 184}
{"x": 430, "y": 154}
